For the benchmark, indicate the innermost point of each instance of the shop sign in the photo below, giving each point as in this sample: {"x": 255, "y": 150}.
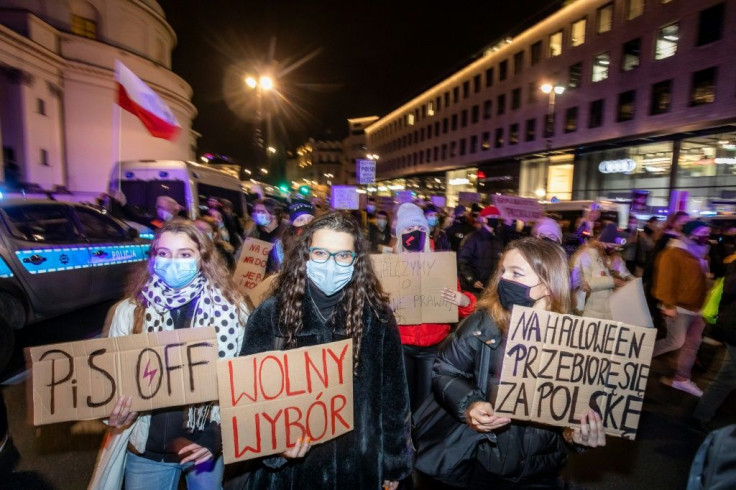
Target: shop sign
{"x": 622, "y": 166}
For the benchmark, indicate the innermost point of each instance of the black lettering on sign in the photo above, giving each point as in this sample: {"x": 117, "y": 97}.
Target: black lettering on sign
{"x": 528, "y": 326}
{"x": 54, "y": 382}
{"x": 191, "y": 364}
{"x": 169, "y": 367}
{"x": 91, "y": 364}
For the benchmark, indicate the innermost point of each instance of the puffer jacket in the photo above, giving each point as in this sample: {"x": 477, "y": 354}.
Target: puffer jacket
{"x": 516, "y": 452}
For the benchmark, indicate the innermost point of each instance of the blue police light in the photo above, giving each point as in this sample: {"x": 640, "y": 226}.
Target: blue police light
{"x": 129, "y": 175}
{"x": 163, "y": 174}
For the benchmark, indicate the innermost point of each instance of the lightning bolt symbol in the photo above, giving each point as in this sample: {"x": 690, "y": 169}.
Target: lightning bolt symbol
{"x": 409, "y": 240}
{"x": 147, "y": 373}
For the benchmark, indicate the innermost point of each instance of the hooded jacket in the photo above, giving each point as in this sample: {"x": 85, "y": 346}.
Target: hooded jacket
{"x": 680, "y": 276}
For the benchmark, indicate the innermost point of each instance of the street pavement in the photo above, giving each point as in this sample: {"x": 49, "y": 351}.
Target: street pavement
{"x": 660, "y": 458}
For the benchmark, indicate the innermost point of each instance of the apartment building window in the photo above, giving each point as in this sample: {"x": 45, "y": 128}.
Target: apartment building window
{"x": 604, "y": 18}
{"x": 444, "y": 151}
{"x": 503, "y": 70}
{"x": 424, "y": 111}
{"x": 463, "y": 146}
{"x": 667, "y": 39}
{"x": 475, "y": 114}
{"x": 447, "y": 99}
{"x": 421, "y": 134}
{"x": 474, "y": 143}
{"x": 501, "y": 104}
{"x": 453, "y": 148}
{"x": 455, "y": 95}
{"x": 514, "y": 134}
{"x": 476, "y": 84}
{"x": 489, "y": 77}
{"x": 437, "y": 128}
{"x": 703, "y": 87}
{"x": 486, "y": 141}
{"x": 429, "y": 132}
{"x": 601, "y": 63}
{"x": 84, "y": 27}
{"x": 464, "y": 118}
{"x": 515, "y": 99}
{"x": 536, "y": 53}
{"x": 454, "y": 122}
{"x": 635, "y": 9}
{"x": 710, "y": 24}
{"x": 631, "y": 54}
{"x": 531, "y": 129}
{"x": 410, "y": 119}
{"x": 487, "y": 109}
{"x": 498, "y": 141}
{"x": 595, "y": 114}
{"x": 44, "y": 157}
{"x": 466, "y": 89}
{"x": 435, "y": 153}
{"x": 438, "y": 103}
{"x": 575, "y": 76}
{"x": 661, "y": 97}
{"x": 41, "y": 106}
{"x": 518, "y": 62}
{"x": 577, "y": 32}
{"x": 555, "y": 44}
{"x": 430, "y": 108}
{"x": 427, "y": 155}
{"x": 531, "y": 93}
{"x": 445, "y": 123}
{"x": 626, "y": 106}
{"x": 571, "y": 120}
{"x": 410, "y": 139}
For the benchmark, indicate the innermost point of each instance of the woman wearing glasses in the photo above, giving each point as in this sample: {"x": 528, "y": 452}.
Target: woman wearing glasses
{"x": 327, "y": 291}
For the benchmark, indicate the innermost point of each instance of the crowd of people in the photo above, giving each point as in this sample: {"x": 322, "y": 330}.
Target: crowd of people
{"x": 326, "y": 290}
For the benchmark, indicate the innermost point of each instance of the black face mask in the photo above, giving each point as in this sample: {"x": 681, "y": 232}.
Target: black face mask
{"x": 512, "y": 293}
{"x": 414, "y": 241}
{"x": 700, "y": 240}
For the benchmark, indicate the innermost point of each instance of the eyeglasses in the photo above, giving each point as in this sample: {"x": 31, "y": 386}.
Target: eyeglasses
{"x": 344, "y": 258}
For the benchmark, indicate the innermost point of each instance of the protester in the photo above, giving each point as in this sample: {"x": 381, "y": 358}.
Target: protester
{"x": 267, "y": 216}
{"x": 459, "y": 229}
{"x": 479, "y": 254}
{"x": 379, "y": 234}
{"x": 185, "y": 285}
{"x": 232, "y": 223}
{"x": 437, "y": 235}
{"x": 301, "y": 213}
{"x": 597, "y": 269}
{"x": 420, "y": 341}
{"x": 208, "y": 226}
{"x": 645, "y": 249}
{"x": 680, "y": 285}
{"x": 532, "y": 273}
{"x": 327, "y": 291}
{"x": 632, "y": 244}
{"x": 221, "y": 231}
{"x": 547, "y": 229}
{"x": 167, "y": 208}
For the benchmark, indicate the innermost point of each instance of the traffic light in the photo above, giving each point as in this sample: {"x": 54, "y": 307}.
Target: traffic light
{"x": 304, "y": 190}
{"x": 284, "y": 188}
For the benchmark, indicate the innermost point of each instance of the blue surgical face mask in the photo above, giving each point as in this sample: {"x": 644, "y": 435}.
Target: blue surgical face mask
{"x": 176, "y": 273}
{"x": 262, "y": 219}
{"x": 328, "y": 276}
{"x": 432, "y": 221}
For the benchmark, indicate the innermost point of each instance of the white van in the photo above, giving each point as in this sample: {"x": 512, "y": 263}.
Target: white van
{"x": 189, "y": 183}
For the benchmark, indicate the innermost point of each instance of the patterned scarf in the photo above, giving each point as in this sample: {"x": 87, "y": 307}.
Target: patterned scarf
{"x": 212, "y": 309}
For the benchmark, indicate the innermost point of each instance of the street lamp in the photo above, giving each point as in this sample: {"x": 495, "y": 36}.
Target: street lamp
{"x": 549, "y": 130}
{"x": 263, "y": 83}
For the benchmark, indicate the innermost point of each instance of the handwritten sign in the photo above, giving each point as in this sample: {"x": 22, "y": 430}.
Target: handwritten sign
{"x": 270, "y": 400}
{"x": 557, "y": 367}
{"x": 468, "y": 197}
{"x": 404, "y": 196}
{"x": 251, "y": 266}
{"x": 83, "y": 380}
{"x": 345, "y": 197}
{"x": 439, "y": 201}
{"x": 261, "y": 292}
{"x": 366, "y": 170}
{"x": 414, "y": 283}
{"x": 521, "y": 208}
{"x": 629, "y": 305}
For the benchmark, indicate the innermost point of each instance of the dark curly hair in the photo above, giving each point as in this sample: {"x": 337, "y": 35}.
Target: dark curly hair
{"x": 362, "y": 291}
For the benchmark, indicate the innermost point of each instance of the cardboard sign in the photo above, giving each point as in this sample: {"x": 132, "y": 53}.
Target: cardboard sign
{"x": 345, "y": 197}
{"x": 366, "y": 170}
{"x": 439, "y": 201}
{"x": 261, "y": 292}
{"x": 629, "y": 305}
{"x": 83, "y": 380}
{"x": 271, "y": 399}
{"x": 414, "y": 283}
{"x": 521, "y": 208}
{"x": 251, "y": 266}
{"x": 557, "y": 367}
{"x": 468, "y": 197}
{"x": 404, "y": 196}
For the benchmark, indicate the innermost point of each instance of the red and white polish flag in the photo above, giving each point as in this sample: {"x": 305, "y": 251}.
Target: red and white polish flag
{"x": 139, "y": 99}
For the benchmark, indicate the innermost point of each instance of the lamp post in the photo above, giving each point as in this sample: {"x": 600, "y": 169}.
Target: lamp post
{"x": 263, "y": 84}
{"x": 549, "y": 128}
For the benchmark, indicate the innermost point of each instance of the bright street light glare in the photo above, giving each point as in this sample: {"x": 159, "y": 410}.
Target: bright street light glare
{"x": 264, "y": 171}
{"x": 559, "y": 89}
{"x": 546, "y": 88}
{"x": 251, "y": 82}
{"x": 266, "y": 83}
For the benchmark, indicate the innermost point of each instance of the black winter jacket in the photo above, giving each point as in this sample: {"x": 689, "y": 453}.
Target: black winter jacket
{"x": 725, "y": 327}
{"x": 478, "y": 258}
{"x": 520, "y": 451}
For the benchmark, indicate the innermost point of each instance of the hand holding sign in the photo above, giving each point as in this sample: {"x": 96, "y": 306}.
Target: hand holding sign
{"x": 482, "y": 418}
{"x": 121, "y": 415}
{"x": 591, "y": 432}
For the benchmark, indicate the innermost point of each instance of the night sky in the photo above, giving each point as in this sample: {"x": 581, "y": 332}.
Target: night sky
{"x": 360, "y": 58}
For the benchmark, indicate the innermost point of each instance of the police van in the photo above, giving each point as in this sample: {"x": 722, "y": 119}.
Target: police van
{"x": 188, "y": 183}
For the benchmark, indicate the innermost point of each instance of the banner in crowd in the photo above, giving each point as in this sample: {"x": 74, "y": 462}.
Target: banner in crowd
{"x": 519, "y": 208}
{"x": 557, "y": 367}
{"x": 439, "y": 201}
{"x": 251, "y": 266}
{"x": 83, "y": 380}
{"x": 270, "y": 400}
{"x": 345, "y": 197}
{"x": 468, "y": 197}
{"x": 366, "y": 170}
{"x": 414, "y": 283}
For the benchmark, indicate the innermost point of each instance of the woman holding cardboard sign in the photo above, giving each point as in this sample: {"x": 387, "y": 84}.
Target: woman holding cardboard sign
{"x": 532, "y": 273}
{"x": 327, "y": 291}
{"x": 185, "y": 285}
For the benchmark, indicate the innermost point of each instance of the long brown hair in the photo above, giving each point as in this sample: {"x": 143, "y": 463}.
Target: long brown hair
{"x": 548, "y": 261}
{"x": 212, "y": 266}
{"x": 362, "y": 291}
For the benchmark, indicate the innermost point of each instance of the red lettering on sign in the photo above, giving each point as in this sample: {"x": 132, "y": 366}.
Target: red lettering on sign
{"x": 238, "y": 452}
